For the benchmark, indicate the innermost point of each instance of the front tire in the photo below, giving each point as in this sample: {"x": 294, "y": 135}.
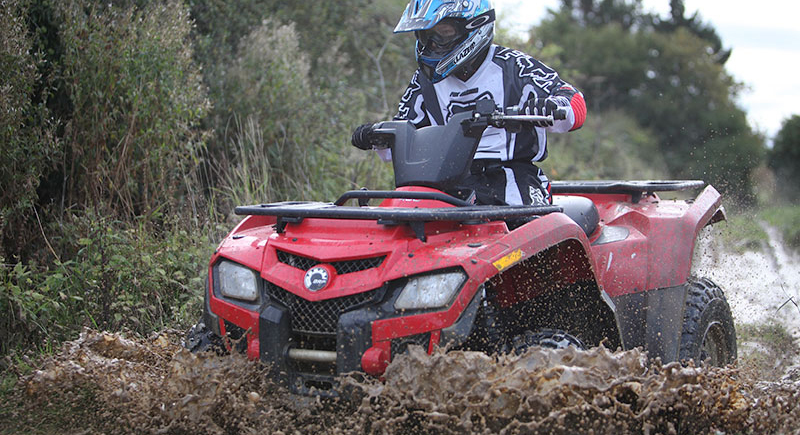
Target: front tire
{"x": 200, "y": 339}
{"x": 546, "y": 338}
{"x": 708, "y": 335}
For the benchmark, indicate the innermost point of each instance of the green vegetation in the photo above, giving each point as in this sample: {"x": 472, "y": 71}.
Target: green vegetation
{"x": 26, "y": 132}
{"x": 110, "y": 275}
{"x": 667, "y": 74}
{"x": 784, "y": 158}
{"x": 744, "y": 231}
{"x": 787, "y": 220}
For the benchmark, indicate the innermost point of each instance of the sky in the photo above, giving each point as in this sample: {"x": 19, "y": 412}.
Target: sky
{"x": 764, "y": 36}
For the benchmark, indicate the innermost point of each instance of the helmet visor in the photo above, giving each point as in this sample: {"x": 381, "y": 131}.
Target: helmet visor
{"x": 442, "y": 37}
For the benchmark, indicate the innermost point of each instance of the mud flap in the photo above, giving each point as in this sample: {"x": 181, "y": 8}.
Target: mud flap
{"x": 653, "y": 320}
{"x": 457, "y": 333}
{"x": 353, "y": 338}
{"x": 274, "y": 333}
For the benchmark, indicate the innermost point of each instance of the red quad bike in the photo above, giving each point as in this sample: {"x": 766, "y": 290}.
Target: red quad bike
{"x": 317, "y": 290}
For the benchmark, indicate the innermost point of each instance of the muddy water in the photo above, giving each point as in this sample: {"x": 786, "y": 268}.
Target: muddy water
{"x": 104, "y": 383}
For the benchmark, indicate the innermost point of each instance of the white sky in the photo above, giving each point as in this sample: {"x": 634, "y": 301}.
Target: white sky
{"x": 764, "y": 36}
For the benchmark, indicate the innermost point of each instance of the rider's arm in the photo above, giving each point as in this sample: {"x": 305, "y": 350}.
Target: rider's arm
{"x": 412, "y": 105}
{"x": 411, "y": 108}
{"x": 564, "y": 98}
{"x": 572, "y": 100}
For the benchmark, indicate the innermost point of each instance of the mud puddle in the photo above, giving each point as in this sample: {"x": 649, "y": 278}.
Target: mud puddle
{"x": 104, "y": 383}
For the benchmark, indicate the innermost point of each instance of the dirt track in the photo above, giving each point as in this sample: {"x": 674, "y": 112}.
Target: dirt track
{"x": 103, "y": 383}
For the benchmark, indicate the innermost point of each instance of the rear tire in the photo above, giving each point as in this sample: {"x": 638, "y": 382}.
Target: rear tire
{"x": 708, "y": 335}
{"x": 546, "y": 338}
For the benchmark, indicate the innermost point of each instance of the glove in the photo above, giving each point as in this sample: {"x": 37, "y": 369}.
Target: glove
{"x": 545, "y": 107}
{"x": 362, "y": 136}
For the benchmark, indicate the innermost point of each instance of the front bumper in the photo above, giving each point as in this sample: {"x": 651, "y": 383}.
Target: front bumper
{"x": 308, "y": 345}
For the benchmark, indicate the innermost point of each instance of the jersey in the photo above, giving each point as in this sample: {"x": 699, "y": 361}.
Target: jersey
{"x": 510, "y": 78}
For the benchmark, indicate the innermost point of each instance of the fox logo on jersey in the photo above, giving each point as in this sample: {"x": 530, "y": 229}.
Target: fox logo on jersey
{"x": 467, "y": 105}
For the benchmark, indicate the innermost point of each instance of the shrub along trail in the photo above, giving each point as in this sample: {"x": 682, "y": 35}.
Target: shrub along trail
{"x": 105, "y": 383}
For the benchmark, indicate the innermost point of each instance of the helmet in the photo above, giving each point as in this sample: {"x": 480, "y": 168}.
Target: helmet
{"x": 451, "y": 34}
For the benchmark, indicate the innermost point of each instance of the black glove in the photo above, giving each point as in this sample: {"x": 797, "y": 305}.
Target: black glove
{"x": 362, "y": 136}
{"x": 545, "y": 107}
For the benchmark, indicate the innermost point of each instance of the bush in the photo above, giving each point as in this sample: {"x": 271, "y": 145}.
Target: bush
{"x": 291, "y": 137}
{"x": 113, "y": 276}
{"x": 136, "y": 98}
{"x": 28, "y": 147}
{"x": 610, "y": 146}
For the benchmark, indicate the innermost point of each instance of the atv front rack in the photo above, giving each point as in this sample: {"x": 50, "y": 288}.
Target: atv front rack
{"x": 296, "y": 212}
{"x": 636, "y": 189}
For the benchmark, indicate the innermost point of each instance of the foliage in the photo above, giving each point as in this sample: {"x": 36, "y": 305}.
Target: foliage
{"x": 745, "y": 231}
{"x": 286, "y": 101}
{"x": 706, "y": 32}
{"x": 672, "y": 82}
{"x": 590, "y": 13}
{"x": 136, "y": 99}
{"x": 291, "y": 136}
{"x": 26, "y": 132}
{"x": 113, "y": 275}
{"x": 609, "y": 146}
{"x": 784, "y": 158}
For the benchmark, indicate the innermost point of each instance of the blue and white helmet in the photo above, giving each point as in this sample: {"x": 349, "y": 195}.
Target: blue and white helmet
{"x": 450, "y": 33}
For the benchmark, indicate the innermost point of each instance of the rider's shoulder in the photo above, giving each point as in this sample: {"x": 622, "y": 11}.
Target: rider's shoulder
{"x": 521, "y": 61}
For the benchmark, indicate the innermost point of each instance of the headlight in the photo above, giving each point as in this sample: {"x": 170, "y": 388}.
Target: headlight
{"x": 236, "y": 281}
{"x": 430, "y": 291}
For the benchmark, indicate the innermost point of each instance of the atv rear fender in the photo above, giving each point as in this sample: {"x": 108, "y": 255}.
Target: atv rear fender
{"x": 670, "y": 229}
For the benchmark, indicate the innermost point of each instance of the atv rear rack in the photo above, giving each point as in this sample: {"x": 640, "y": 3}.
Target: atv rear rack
{"x": 296, "y": 212}
{"x": 637, "y": 189}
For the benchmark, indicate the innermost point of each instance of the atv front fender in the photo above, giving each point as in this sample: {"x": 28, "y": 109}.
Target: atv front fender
{"x": 547, "y": 266}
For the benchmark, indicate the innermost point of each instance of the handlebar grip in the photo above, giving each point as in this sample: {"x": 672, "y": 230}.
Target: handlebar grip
{"x": 560, "y": 114}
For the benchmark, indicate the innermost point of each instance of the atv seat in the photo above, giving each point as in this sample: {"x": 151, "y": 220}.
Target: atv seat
{"x": 581, "y": 210}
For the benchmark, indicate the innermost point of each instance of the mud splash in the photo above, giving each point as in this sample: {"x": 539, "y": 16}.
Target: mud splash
{"x": 104, "y": 383}
{"x": 762, "y": 285}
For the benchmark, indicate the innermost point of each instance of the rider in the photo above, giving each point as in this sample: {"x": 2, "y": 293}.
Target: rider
{"x": 458, "y": 66}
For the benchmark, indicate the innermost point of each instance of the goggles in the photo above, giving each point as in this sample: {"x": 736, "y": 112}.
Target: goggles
{"x": 448, "y": 33}
{"x": 444, "y": 34}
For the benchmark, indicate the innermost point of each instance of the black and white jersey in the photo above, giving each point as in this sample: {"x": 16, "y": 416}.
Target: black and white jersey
{"x": 510, "y": 78}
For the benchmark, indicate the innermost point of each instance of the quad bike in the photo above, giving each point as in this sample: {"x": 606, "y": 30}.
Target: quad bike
{"x": 317, "y": 290}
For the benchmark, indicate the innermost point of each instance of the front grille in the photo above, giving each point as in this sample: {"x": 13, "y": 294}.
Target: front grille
{"x": 319, "y": 317}
{"x": 342, "y": 267}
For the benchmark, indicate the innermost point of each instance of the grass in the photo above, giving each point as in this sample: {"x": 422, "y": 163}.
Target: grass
{"x": 787, "y": 220}
{"x": 745, "y": 232}
{"x": 773, "y": 352}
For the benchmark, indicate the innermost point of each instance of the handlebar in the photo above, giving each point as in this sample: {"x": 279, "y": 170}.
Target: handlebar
{"x": 485, "y": 114}
{"x": 499, "y": 119}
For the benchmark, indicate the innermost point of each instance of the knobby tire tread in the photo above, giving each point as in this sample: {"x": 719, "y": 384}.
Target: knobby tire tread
{"x": 701, "y": 293}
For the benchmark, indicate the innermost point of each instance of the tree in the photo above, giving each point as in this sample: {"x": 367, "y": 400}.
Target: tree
{"x": 784, "y": 158}
{"x": 670, "y": 80}
{"x": 677, "y": 20}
